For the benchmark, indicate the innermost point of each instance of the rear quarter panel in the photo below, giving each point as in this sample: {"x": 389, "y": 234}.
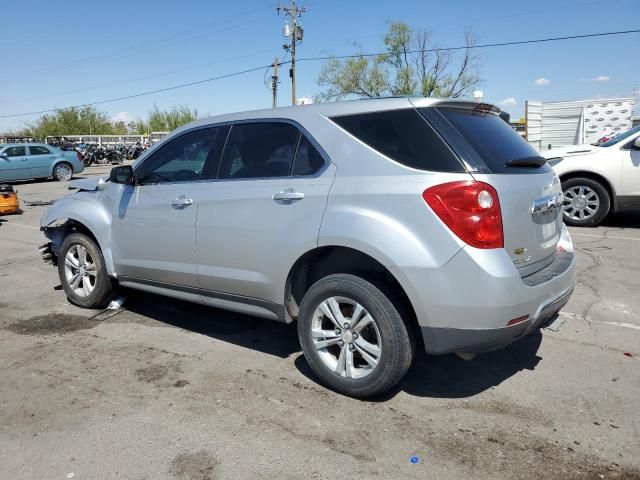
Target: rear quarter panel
{"x": 387, "y": 218}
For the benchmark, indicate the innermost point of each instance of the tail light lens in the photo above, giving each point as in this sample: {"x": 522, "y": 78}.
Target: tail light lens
{"x": 79, "y": 156}
{"x": 470, "y": 209}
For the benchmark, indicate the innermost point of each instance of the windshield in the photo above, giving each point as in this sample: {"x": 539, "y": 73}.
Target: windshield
{"x": 620, "y": 137}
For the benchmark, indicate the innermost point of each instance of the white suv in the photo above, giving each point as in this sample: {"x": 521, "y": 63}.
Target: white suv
{"x": 600, "y": 179}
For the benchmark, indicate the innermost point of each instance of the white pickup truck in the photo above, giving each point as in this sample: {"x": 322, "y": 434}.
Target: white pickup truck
{"x": 600, "y": 179}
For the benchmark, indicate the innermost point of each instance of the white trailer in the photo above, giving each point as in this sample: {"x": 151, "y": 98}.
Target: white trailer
{"x": 555, "y": 124}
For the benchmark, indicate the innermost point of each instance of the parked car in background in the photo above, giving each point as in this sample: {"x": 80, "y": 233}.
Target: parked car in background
{"x": 381, "y": 226}
{"x": 25, "y": 161}
{"x": 598, "y": 179}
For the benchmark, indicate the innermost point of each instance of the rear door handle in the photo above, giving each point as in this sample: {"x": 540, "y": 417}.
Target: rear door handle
{"x": 181, "y": 202}
{"x": 288, "y": 196}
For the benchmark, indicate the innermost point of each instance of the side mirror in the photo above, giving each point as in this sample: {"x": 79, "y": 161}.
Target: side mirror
{"x": 3, "y": 156}
{"x": 122, "y": 174}
{"x": 636, "y": 144}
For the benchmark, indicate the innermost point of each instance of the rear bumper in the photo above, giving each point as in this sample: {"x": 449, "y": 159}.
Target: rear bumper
{"x": 465, "y": 305}
{"x": 446, "y": 340}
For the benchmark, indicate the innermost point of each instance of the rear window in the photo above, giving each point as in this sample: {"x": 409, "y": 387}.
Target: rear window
{"x": 403, "y": 136}
{"x": 493, "y": 139}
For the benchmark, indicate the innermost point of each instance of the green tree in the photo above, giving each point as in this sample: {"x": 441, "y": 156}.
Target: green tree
{"x": 411, "y": 65}
{"x": 166, "y": 120}
{"x": 120, "y": 128}
{"x": 71, "y": 121}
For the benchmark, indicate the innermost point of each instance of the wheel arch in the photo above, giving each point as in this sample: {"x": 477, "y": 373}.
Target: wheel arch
{"x": 68, "y": 216}
{"x": 596, "y": 177}
{"x": 330, "y": 259}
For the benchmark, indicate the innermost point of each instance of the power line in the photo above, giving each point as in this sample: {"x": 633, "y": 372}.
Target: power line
{"x": 141, "y": 94}
{"x": 310, "y": 59}
{"x": 464, "y": 47}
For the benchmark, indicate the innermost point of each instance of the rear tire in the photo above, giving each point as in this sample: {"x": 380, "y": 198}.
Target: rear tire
{"x": 365, "y": 358}
{"x": 586, "y": 202}
{"x": 82, "y": 272}
{"x": 63, "y": 172}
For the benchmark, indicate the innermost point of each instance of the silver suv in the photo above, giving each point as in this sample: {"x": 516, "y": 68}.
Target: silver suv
{"x": 379, "y": 225}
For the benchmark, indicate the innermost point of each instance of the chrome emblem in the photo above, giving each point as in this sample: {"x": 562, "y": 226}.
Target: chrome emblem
{"x": 547, "y": 204}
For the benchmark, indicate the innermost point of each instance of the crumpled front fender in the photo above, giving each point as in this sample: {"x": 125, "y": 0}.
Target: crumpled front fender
{"x": 84, "y": 208}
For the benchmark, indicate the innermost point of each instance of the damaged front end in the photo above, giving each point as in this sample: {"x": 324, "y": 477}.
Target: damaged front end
{"x": 47, "y": 254}
{"x": 56, "y": 234}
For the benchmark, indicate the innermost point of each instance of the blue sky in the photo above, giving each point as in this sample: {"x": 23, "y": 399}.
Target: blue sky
{"x": 56, "y": 55}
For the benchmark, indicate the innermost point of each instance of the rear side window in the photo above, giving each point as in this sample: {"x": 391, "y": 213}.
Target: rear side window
{"x": 403, "y": 136}
{"x": 259, "y": 150}
{"x": 36, "y": 150}
{"x": 493, "y": 139}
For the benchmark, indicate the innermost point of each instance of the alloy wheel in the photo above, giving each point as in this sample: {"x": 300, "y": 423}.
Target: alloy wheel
{"x": 346, "y": 337}
{"x": 580, "y": 203}
{"x": 63, "y": 172}
{"x": 80, "y": 270}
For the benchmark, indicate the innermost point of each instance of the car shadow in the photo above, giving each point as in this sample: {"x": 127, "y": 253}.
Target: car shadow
{"x": 436, "y": 376}
{"x": 625, "y": 219}
{"x": 449, "y": 376}
{"x": 266, "y": 336}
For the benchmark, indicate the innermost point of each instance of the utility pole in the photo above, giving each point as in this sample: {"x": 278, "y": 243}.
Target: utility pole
{"x": 295, "y": 33}
{"x": 274, "y": 83}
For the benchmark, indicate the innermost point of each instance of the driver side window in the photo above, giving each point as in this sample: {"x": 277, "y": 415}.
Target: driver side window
{"x": 180, "y": 160}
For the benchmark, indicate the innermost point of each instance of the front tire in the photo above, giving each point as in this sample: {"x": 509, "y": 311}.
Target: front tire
{"x": 353, "y": 337}
{"x": 586, "y": 202}
{"x": 82, "y": 272}
{"x": 63, "y": 172}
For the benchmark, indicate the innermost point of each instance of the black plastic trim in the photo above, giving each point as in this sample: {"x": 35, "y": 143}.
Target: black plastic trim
{"x": 277, "y": 309}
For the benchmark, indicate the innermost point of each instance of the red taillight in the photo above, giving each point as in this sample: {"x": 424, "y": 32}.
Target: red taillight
{"x": 470, "y": 209}
{"x": 79, "y": 156}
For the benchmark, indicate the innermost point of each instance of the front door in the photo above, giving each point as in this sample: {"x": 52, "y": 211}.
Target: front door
{"x": 40, "y": 161}
{"x": 14, "y": 163}
{"x": 154, "y": 221}
{"x": 261, "y": 212}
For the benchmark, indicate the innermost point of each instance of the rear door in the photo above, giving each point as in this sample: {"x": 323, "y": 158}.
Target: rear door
{"x": 262, "y": 211}
{"x": 528, "y": 190}
{"x": 40, "y": 160}
{"x": 14, "y": 163}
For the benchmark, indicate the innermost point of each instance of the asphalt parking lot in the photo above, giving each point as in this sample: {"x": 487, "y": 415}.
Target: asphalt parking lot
{"x": 172, "y": 390}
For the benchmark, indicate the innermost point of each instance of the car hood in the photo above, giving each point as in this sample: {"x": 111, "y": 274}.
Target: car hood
{"x": 88, "y": 184}
{"x": 570, "y": 151}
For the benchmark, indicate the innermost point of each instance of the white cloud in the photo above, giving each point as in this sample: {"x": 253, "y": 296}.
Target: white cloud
{"x": 601, "y": 78}
{"x": 508, "y": 102}
{"x": 122, "y": 117}
{"x": 541, "y": 82}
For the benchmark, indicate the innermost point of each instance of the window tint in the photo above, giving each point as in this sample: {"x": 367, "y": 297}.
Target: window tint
{"x": 36, "y": 150}
{"x": 308, "y": 161}
{"x": 404, "y": 136}
{"x": 256, "y": 150}
{"x": 15, "y": 151}
{"x": 493, "y": 139}
{"x": 180, "y": 160}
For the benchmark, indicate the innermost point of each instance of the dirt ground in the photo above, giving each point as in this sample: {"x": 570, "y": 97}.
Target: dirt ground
{"x": 166, "y": 389}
